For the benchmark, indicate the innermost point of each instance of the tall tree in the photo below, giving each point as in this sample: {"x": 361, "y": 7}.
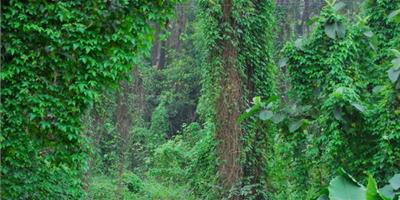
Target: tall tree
{"x": 229, "y": 103}
{"x": 255, "y": 55}
{"x": 233, "y": 75}
{"x": 223, "y": 88}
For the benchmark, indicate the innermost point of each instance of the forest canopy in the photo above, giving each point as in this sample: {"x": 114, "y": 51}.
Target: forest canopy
{"x": 200, "y": 99}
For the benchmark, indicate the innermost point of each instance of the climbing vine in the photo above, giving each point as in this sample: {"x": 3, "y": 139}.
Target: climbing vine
{"x": 56, "y": 58}
{"x": 386, "y": 85}
{"x": 340, "y": 95}
{"x": 180, "y": 129}
{"x": 238, "y": 50}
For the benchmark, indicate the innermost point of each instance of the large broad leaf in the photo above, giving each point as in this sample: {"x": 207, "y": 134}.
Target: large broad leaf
{"x": 394, "y": 74}
{"x": 337, "y": 113}
{"x": 293, "y": 126}
{"x": 336, "y": 29}
{"x": 378, "y": 89}
{"x": 342, "y": 189}
{"x": 369, "y": 34}
{"x": 374, "y": 42}
{"x": 395, "y": 182}
{"x": 396, "y": 62}
{"x": 372, "y": 189}
{"x": 283, "y": 62}
{"x": 339, "y": 6}
{"x": 278, "y": 118}
{"x": 358, "y": 106}
{"x": 330, "y": 30}
{"x": 340, "y": 30}
{"x": 299, "y": 44}
{"x": 387, "y": 192}
{"x": 265, "y": 115}
{"x": 349, "y": 177}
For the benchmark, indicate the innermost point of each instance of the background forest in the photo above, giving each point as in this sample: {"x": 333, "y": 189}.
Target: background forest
{"x": 200, "y": 99}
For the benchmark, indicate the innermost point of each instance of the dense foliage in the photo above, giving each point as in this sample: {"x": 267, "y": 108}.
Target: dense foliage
{"x": 124, "y": 100}
{"x": 341, "y": 110}
{"x": 56, "y": 56}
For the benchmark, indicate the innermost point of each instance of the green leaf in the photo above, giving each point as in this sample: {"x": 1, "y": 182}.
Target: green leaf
{"x": 330, "y": 30}
{"x": 257, "y": 100}
{"x": 340, "y": 30}
{"x": 369, "y": 34}
{"x": 395, "y": 181}
{"x": 283, "y": 62}
{"x": 312, "y": 20}
{"x": 278, "y": 118}
{"x": 378, "y": 89}
{"x": 299, "y": 44}
{"x": 273, "y": 98}
{"x": 359, "y": 107}
{"x": 394, "y": 74}
{"x": 374, "y": 42}
{"x": 323, "y": 194}
{"x": 395, "y": 52}
{"x": 396, "y": 62}
{"x": 335, "y": 29}
{"x": 372, "y": 189}
{"x": 349, "y": 177}
{"x": 294, "y": 125}
{"x": 249, "y": 113}
{"x": 337, "y": 113}
{"x": 395, "y": 16}
{"x": 270, "y": 105}
{"x": 323, "y": 197}
{"x": 342, "y": 189}
{"x": 265, "y": 115}
{"x": 339, "y": 6}
{"x": 387, "y": 192}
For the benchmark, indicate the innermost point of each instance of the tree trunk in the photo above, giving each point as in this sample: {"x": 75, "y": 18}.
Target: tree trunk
{"x": 229, "y": 109}
{"x": 95, "y": 134}
{"x": 158, "y": 52}
{"x": 139, "y": 105}
{"x": 124, "y": 121}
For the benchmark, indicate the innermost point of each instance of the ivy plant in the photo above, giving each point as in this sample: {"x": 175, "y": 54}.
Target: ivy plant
{"x": 56, "y": 57}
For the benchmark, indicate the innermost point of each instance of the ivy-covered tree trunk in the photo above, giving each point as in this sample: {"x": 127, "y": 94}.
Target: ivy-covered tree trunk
{"x": 256, "y": 53}
{"x": 385, "y": 117}
{"x": 239, "y": 67}
{"x": 331, "y": 134}
{"x": 229, "y": 104}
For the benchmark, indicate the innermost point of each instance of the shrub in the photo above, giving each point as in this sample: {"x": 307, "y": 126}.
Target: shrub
{"x": 132, "y": 182}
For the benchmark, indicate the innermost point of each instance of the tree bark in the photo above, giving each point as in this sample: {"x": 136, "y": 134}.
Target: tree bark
{"x": 158, "y": 52}
{"x": 124, "y": 123}
{"x": 229, "y": 108}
